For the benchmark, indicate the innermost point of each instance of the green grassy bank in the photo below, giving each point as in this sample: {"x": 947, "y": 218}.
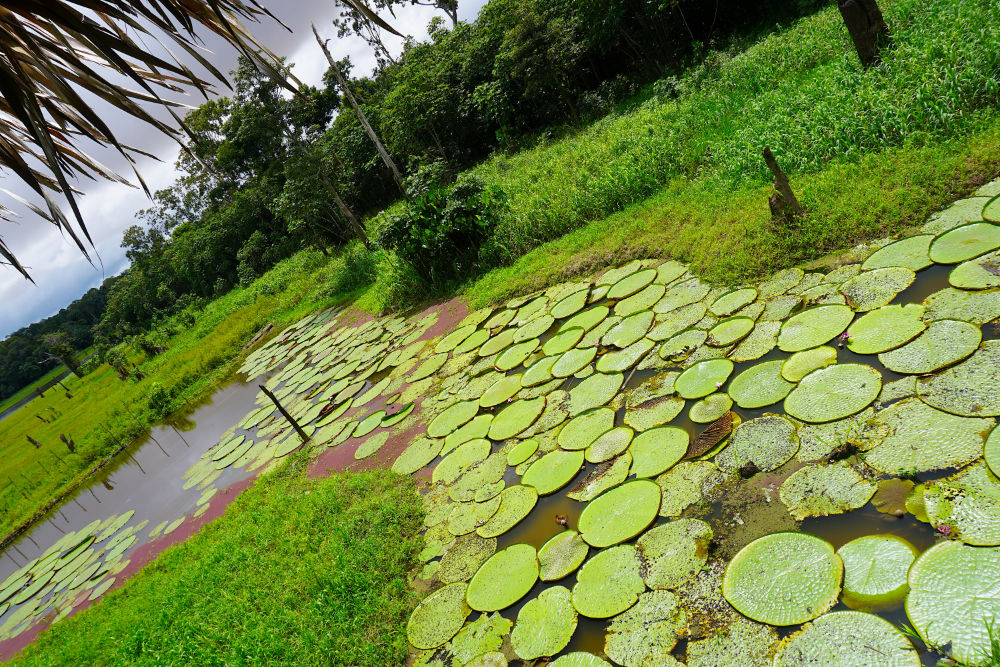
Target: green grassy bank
{"x": 29, "y": 390}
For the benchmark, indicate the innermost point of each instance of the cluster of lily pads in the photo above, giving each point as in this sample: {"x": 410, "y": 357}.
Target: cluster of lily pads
{"x": 81, "y": 566}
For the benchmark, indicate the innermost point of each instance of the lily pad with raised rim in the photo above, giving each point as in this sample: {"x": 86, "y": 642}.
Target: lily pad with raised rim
{"x": 515, "y": 504}
{"x": 727, "y": 332}
{"x": 646, "y": 633}
{"x": 608, "y": 583}
{"x": 730, "y": 302}
{"x": 911, "y": 253}
{"x": 594, "y": 391}
{"x": 875, "y": 569}
{"x": 553, "y": 471}
{"x": 970, "y": 388}
{"x": 765, "y": 443}
{"x": 544, "y": 625}
{"x": 609, "y": 444}
{"x": 848, "y": 639}
{"x": 503, "y": 579}
{"x": 965, "y": 242}
{"x": 561, "y": 555}
{"x": 657, "y": 449}
{"x": 438, "y": 617}
{"x": 802, "y": 363}
{"x": 885, "y": 328}
{"x": 703, "y": 378}
{"x": 825, "y": 489}
{"x": 834, "y": 392}
{"x": 620, "y": 513}
{"x": 516, "y": 417}
{"x": 674, "y": 552}
{"x": 760, "y": 385}
{"x": 875, "y": 288}
{"x": 454, "y": 416}
{"x": 814, "y": 326}
{"x": 978, "y": 273}
{"x": 710, "y": 408}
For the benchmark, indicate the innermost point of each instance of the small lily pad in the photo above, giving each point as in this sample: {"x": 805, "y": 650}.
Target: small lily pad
{"x": 610, "y": 444}
{"x": 885, "y": 328}
{"x": 875, "y": 288}
{"x": 544, "y": 625}
{"x": 970, "y": 388}
{"x": 646, "y": 633}
{"x": 703, "y": 378}
{"x": 608, "y": 583}
{"x": 553, "y": 471}
{"x": 875, "y": 569}
{"x": 730, "y": 302}
{"x": 760, "y": 385}
{"x": 515, "y": 504}
{"x": 516, "y": 417}
{"x": 503, "y": 579}
{"x": 561, "y": 555}
{"x": 521, "y": 452}
{"x": 765, "y": 443}
{"x": 814, "y": 326}
{"x": 802, "y": 363}
{"x": 620, "y": 513}
{"x": 657, "y": 449}
{"x": 728, "y": 332}
{"x": 452, "y": 418}
{"x": 438, "y": 617}
{"x": 834, "y": 392}
{"x": 825, "y": 489}
{"x": 848, "y": 639}
{"x": 710, "y": 408}
{"x": 965, "y": 242}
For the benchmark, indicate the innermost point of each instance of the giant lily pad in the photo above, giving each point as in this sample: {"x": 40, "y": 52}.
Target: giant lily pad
{"x": 504, "y": 579}
{"x": 572, "y": 361}
{"x": 580, "y": 659}
{"x": 979, "y": 273}
{"x": 516, "y": 417}
{"x": 761, "y": 340}
{"x": 641, "y": 300}
{"x": 544, "y": 625}
{"x": 605, "y": 476}
{"x": 514, "y": 356}
{"x": 710, "y": 408}
{"x": 464, "y": 457}
{"x": 565, "y": 340}
{"x": 610, "y": 444}
{"x": 877, "y": 287}
{"x": 438, "y": 617}
{"x": 729, "y": 331}
{"x": 966, "y": 506}
{"x": 680, "y": 346}
{"x": 501, "y": 390}
{"x": 784, "y": 578}
{"x": 802, "y": 363}
{"x": 682, "y": 294}
{"x": 594, "y": 391}
{"x": 451, "y": 418}
{"x": 622, "y": 360}
{"x": 730, "y": 302}
{"x": 909, "y": 252}
{"x": 760, "y": 385}
{"x": 965, "y": 242}
{"x": 580, "y": 431}
{"x": 821, "y": 490}
{"x": 953, "y": 598}
{"x": 629, "y": 330}
{"x": 764, "y": 443}
{"x": 570, "y": 305}
{"x": 848, "y": 639}
{"x": 655, "y": 450}
{"x": 970, "y": 388}
{"x": 743, "y": 642}
{"x": 991, "y": 451}
{"x": 673, "y": 553}
{"x": 655, "y": 412}
{"x": 682, "y": 485}
{"x": 418, "y": 455}
{"x": 473, "y": 646}
{"x": 515, "y": 504}
{"x": 944, "y": 343}
{"x": 631, "y": 284}
{"x": 677, "y": 321}
{"x": 977, "y": 307}
{"x": 885, "y": 328}
{"x": 814, "y": 326}
{"x": 553, "y": 471}
{"x": 834, "y": 392}
{"x": 561, "y": 555}
{"x": 464, "y": 558}
{"x": 587, "y": 319}
{"x": 608, "y": 583}
{"x": 875, "y": 569}
{"x": 646, "y": 633}
{"x": 620, "y": 513}
{"x": 703, "y": 378}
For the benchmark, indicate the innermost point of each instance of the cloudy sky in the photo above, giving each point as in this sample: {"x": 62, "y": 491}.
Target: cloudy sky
{"x": 60, "y": 271}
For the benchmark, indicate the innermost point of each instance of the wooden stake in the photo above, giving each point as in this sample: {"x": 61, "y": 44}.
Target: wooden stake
{"x": 867, "y": 28}
{"x": 281, "y": 409}
{"x": 785, "y": 206}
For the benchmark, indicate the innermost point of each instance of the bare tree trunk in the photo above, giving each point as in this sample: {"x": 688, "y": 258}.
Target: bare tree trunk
{"x": 396, "y": 175}
{"x": 348, "y": 213}
{"x": 284, "y": 413}
{"x": 867, "y": 28}
{"x": 785, "y": 206}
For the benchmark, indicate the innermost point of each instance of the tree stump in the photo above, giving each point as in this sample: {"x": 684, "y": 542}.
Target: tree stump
{"x": 867, "y": 28}
{"x": 785, "y": 207}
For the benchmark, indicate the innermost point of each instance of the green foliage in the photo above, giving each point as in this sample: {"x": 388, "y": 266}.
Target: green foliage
{"x": 297, "y": 572}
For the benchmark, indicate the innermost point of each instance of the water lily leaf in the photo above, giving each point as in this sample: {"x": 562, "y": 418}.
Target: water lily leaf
{"x": 743, "y": 642}
{"x": 710, "y": 408}
{"x": 629, "y": 330}
{"x": 968, "y": 389}
{"x": 516, "y": 417}
{"x": 885, "y": 328}
{"x": 594, "y": 391}
{"x": 727, "y": 332}
{"x": 620, "y": 513}
{"x": 682, "y": 294}
{"x": 609, "y": 444}
{"x": 477, "y": 477}
{"x": 561, "y": 555}
{"x": 911, "y": 253}
{"x": 780, "y": 282}
{"x": 475, "y": 644}
{"x": 781, "y": 307}
{"x": 991, "y": 210}
{"x": 622, "y": 360}
{"x": 825, "y": 489}
{"x": 521, "y": 452}
{"x": 417, "y": 455}
{"x": 515, "y": 355}
{"x": 673, "y": 553}
{"x": 761, "y": 340}
{"x": 991, "y": 451}
{"x": 654, "y": 413}
{"x": 504, "y": 578}
{"x": 850, "y": 639}
{"x": 464, "y": 558}
{"x": 960, "y": 212}
{"x": 515, "y": 504}
{"x": 669, "y": 271}
{"x": 680, "y": 346}
{"x": 657, "y": 449}
{"x": 580, "y": 659}
{"x": 802, "y": 363}
{"x": 565, "y": 340}
{"x": 813, "y": 326}
{"x": 766, "y": 442}
{"x": 544, "y": 625}
{"x": 834, "y": 392}
{"x": 703, "y": 378}
{"x": 684, "y": 484}
{"x": 631, "y": 284}
{"x": 454, "y": 338}
{"x": 533, "y": 328}
{"x": 454, "y": 416}
{"x": 730, "y": 302}
{"x": 965, "y": 242}
{"x": 553, "y": 471}
{"x": 875, "y": 288}
{"x": 966, "y": 506}
{"x": 497, "y": 343}
{"x": 473, "y": 430}
{"x": 784, "y": 578}
{"x": 605, "y": 476}
{"x": 977, "y": 307}
{"x": 646, "y": 633}
{"x": 587, "y": 319}
{"x": 464, "y": 457}
{"x": 875, "y": 569}
{"x": 976, "y": 274}
{"x": 438, "y": 617}
{"x": 760, "y": 385}
{"x": 583, "y": 429}
{"x": 368, "y": 424}
{"x": 676, "y": 321}
{"x": 472, "y": 342}
{"x": 608, "y": 583}
{"x": 501, "y": 390}
{"x": 953, "y": 598}
{"x": 573, "y": 361}
{"x": 641, "y": 300}
{"x": 571, "y": 304}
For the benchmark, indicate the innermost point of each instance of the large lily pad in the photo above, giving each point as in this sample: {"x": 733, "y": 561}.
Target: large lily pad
{"x": 580, "y": 431}
{"x": 742, "y": 642}
{"x": 885, "y": 328}
{"x": 764, "y": 444}
{"x": 979, "y": 273}
{"x": 760, "y": 385}
{"x": 603, "y": 477}
{"x": 703, "y": 378}
{"x": 594, "y": 391}
{"x": 834, "y": 392}
{"x": 641, "y": 300}
{"x": 682, "y": 485}
{"x": 580, "y": 659}
{"x": 464, "y": 457}
{"x": 965, "y": 242}
{"x": 571, "y": 304}
{"x": 544, "y": 625}
{"x": 875, "y": 569}
{"x": 572, "y": 361}
{"x": 825, "y": 489}
{"x": 464, "y": 558}
{"x": 515, "y": 504}
{"x": 565, "y": 340}
{"x": 418, "y": 455}
{"x": 784, "y": 578}
{"x": 501, "y": 390}
{"x": 730, "y": 302}
{"x": 438, "y": 617}
{"x": 553, "y": 471}
{"x": 966, "y": 506}
{"x": 610, "y": 444}
{"x": 682, "y": 294}
{"x": 710, "y": 408}
{"x": 504, "y": 578}
{"x": 646, "y": 633}
{"x": 620, "y": 513}
{"x": 516, "y": 417}
{"x": 875, "y": 288}
{"x": 909, "y": 252}
{"x": 991, "y": 451}
{"x": 977, "y": 307}
{"x": 944, "y": 343}
{"x": 451, "y": 418}
{"x": 631, "y": 284}
{"x": 814, "y": 326}
{"x": 608, "y": 583}
{"x": 802, "y": 363}
{"x": 674, "y": 552}
{"x": 655, "y": 450}
{"x": 629, "y": 330}
{"x": 848, "y": 639}
{"x": 953, "y": 598}
{"x": 653, "y": 413}
{"x": 561, "y": 555}
{"x": 728, "y": 332}
{"x": 970, "y": 388}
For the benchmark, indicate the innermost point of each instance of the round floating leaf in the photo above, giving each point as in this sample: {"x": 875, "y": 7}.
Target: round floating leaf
{"x": 570, "y": 304}
{"x": 587, "y": 319}
{"x": 521, "y": 452}
{"x": 977, "y": 307}
{"x": 464, "y": 457}
{"x": 646, "y": 633}
{"x": 875, "y": 569}
{"x": 710, "y": 408}
{"x": 580, "y": 431}
{"x": 497, "y": 343}
{"x": 608, "y": 583}
{"x": 953, "y": 598}
{"x": 657, "y": 449}
{"x": 580, "y": 659}
{"x": 516, "y": 417}
{"x": 533, "y": 328}
{"x": 466, "y": 516}
{"x": 965, "y": 506}
{"x": 515, "y": 504}
{"x": 760, "y": 385}
{"x": 680, "y": 346}
{"x": 965, "y": 242}
{"x": 729, "y": 331}
{"x": 682, "y": 294}
{"x": 991, "y": 451}
{"x": 654, "y": 413}
{"x": 620, "y": 513}
{"x": 676, "y": 321}
{"x": 504, "y": 578}
{"x": 594, "y": 391}
{"x": 553, "y": 471}
{"x": 825, "y": 489}
{"x": 991, "y": 211}
{"x": 781, "y": 282}
{"x": 452, "y": 417}
{"x": 919, "y": 438}
{"x": 979, "y": 273}
{"x": 464, "y": 558}
{"x": 802, "y": 363}
{"x": 454, "y": 339}
{"x": 500, "y": 391}
{"x": 603, "y": 477}
{"x": 562, "y": 341}
{"x": 877, "y": 287}
{"x": 970, "y": 388}
{"x": 629, "y": 330}
{"x": 369, "y": 424}
{"x": 703, "y": 378}
{"x": 885, "y": 328}
{"x": 761, "y": 340}
{"x": 514, "y": 356}
{"x": 622, "y": 360}
{"x": 673, "y": 553}
{"x": 847, "y": 639}
{"x": 610, "y": 444}
{"x": 910, "y": 253}
{"x": 730, "y": 302}
{"x": 573, "y": 361}
{"x": 561, "y": 555}
{"x": 834, "y": 392}
{"x": 783, "y": 578}
{"x": 473, "y": 342}
{"x": 641, "y": 300}
{"x": 544, "y": 625}
{"x": 438, "y": 617}
{"x": 814, "y": 326}
{"x": 765, "y": 443}
{"x": 631, "y": 284}
{"x": 682, "y": 485}
{"x": 418, "y": 455}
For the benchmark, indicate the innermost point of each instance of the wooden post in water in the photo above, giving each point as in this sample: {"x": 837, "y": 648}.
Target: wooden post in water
{"x": 785, "y": 207}
{"x": 284, "y": 413}
{"x": 867, "y": 28}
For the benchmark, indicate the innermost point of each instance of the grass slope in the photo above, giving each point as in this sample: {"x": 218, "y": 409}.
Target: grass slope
{"x": 297, "y": 572}
{"x": 27, "y": 390}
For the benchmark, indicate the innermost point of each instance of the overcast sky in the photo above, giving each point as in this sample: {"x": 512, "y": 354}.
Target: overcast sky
{"x": 60, "y": 271}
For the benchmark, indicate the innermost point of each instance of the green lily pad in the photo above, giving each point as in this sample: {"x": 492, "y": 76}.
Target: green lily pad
{"x": 368, "y": 424}
{"x": 743, "y": 642}
{"x": 561, "y": 555}
{"x": 784, "y": 578}
{"x": 544, "y": 625}
{"x": 760, "y": 385}
{"x": 680, "y": 346}
{"x": 454, "y": 416}
{"x": 417, "y": 455}
{"x": 521, "y": 452}
{"x": 682, "y": 294}
{"x": 580, "y": 659}
{"x": 654, "y": 413}
{"x": 553, "y": 471}
{"x": 781, "y": 282}
{"x": 438, "y": 617}
{"x": 473, "y": 342}
{"x": 515, "y": 504}
{"x": 573, "y": 361}
{"x": 466, "y": 516}
{"x": 682, "y": 485}
{"x": 814, "y": 326}
{"x": 977, "y": 307}
{"x": 608, "y": 583}
{"x": 976, "y": 274}
{"x": 605, "y": 476}
{"x": 911, "y": 253}
{"x": 622, "y": 360}
{"x": 478, "y": 477}
{"x": 848, "y": 639}
{"x": 580, "y": 431}
{"x": 473, "y": 430}
{"x": 875, "y": 288}
{"x": 730, "y": 302}
{"x": 703, "y": 378}
{"x": 641, "y": 300}
{"x": 504, "y": 578}
{"x": 885, "y": 328}
{"x": 657, "y": 449}
{"x": 515, "y": 355}
{"x": 729, "y": 331}
{"x": 766, "y": 442}
{"x": 464, "y": 457}
{"x": 562, "y": 341}
{"x": 991, "y": 211}
{"x": 960, "y": 212}
{"x": 497, "y": 343}
{"x": 631, "y": 284}
{"x": 966, "y": 506}
{"x": 464, "y": 558}
{"x": 587, "y": 319}
{"x": 875, "y": 569}
{"x": 673, "y": 553}
{"x": 676, "y": 321}
{"x": 802, "y": 363}
{"x": 533, "y": 328}
{"x": 825, "y": 489}
{"x": 761, "y": 340}
{"x": 516, "y": 417}
{"x": 571, "y": 304}
{"x": 629, "y": 330}
{"x": 991, "y": 451}
{"x": 646, "y": 633}
{"x": 609, "y": 444}
{"x": 501, "y": 390}
{"x": 594, "y": 391}
{"x": 953, "y": 598}
{"x": 620, "y": 513}
{"x": 454, "y": 338}
{"x": 965, "y": 242}
{"x": 970, "y": 388}
{"x": 834, "y": 392}
{"x": 710, "y": 408}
